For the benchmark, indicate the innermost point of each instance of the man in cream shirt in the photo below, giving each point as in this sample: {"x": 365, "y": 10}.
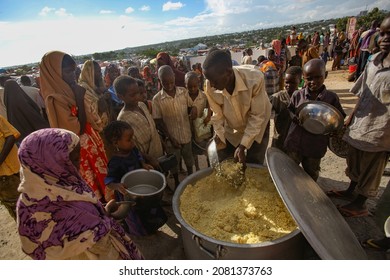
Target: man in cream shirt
{"x": 240, "y": 105}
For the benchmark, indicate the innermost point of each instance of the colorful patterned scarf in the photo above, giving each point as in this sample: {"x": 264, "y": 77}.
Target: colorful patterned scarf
{"x": 59, "y": 217}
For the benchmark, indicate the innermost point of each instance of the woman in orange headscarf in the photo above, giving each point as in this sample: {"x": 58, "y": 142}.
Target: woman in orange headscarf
{"x": 66, "y": 108}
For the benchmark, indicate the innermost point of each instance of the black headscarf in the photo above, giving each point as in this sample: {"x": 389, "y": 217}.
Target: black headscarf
{"x": 22, "y": 112}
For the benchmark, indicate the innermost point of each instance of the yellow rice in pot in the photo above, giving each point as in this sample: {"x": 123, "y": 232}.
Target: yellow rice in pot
{"x": 252, "y": 213}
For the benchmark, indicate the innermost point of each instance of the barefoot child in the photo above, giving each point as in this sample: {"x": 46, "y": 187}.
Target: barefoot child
{"x": 368, "y": 134}
{"x": 126, "y": 158}
{"x": 302, "y": 146}
{"x": 171, "y": 107}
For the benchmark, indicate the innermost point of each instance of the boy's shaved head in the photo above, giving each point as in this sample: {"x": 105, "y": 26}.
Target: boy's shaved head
{"x": 315, "y": 63}
{"x": 167, "y": 78}
{"x": 190, "y": 75}
{"x": 295, "y": 71}
{"x": 314, "y": 74}
{"x": 165, "y": 70}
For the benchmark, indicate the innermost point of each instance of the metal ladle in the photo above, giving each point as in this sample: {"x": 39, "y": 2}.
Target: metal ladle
{"x": 234, "y": 179}
{"x": 212, "y": 153}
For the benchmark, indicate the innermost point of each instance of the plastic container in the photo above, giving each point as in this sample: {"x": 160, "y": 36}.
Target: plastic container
{"x": 352, "y": 68}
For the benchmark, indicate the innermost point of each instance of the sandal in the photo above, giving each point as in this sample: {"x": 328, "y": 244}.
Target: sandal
{"x": 353, "y": 213}
{"x": 340, "y": 194}
{"x": 374, "y": 245}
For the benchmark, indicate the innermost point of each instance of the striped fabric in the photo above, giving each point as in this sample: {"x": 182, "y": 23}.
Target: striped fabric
{"x": 200, "y": 103}
{"x": 174, "y": 112}
{"x": 146, "y": 137}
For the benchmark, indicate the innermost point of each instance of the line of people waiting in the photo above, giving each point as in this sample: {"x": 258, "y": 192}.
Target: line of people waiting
{"x": 67, "y": 175}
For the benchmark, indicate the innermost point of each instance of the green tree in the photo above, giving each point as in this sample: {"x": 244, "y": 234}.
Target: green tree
{"x": 374, "y": 14}
{"x": 97, "y": 56}
{"x": 342, "y": 23}
{"x": 151, "y": 52}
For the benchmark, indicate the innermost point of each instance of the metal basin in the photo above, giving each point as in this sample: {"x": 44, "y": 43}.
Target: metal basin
{"x": 145, "y": 187}
{"x": 337, "y": 145}
{"x": 319, "y": 117}
{"x": 199, "y": 246}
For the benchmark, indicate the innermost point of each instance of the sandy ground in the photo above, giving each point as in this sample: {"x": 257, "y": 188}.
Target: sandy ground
{"x": 167, "y": 242}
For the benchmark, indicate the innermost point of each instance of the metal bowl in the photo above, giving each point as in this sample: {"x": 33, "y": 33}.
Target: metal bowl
{"x": 337, "y": 145}
{"x": 318, "y": 117}
{"x": 145, "y": 187}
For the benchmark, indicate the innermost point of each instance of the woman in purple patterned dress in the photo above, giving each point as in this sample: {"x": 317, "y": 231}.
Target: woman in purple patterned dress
{"x": 59, "y": 216}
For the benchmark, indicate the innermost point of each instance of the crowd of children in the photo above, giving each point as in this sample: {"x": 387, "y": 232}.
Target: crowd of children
{"x": 134, "y": 124}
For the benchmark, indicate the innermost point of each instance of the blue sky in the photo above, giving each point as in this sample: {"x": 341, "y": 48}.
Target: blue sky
{"x": 30, "y": 28}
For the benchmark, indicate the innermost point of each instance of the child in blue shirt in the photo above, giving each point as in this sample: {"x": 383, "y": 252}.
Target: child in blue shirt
{"x": 126, "y": 157}
{"x": 325, "y": 56}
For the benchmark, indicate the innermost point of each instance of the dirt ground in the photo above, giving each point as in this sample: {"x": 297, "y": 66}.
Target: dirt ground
{"x": 167, "y": 242}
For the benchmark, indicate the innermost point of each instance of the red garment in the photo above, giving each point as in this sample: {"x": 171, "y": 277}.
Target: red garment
{"x": 354, "y": 44}
{"x": 93, "y": 162}
{"x": 288, "y": 41}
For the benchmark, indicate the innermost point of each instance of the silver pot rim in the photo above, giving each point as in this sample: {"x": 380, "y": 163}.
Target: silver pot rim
{"x": 176, "y": 211}
{"x": 160, "y": 190}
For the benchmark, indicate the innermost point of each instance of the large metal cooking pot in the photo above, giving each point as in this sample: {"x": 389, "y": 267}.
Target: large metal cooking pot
{"x": 198, "y": 246}
{"x": 145, "y": 187}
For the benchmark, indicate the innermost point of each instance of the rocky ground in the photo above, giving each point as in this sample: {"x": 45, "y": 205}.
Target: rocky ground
{"x": 167, "y": 242}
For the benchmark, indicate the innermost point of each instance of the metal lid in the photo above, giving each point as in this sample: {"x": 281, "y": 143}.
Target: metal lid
{"x": 316, "y": 215}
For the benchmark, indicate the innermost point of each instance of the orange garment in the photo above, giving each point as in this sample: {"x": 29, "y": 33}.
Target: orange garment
{"x": 266, "y": 65}
{"x": 11, "y": 164}
{"x": 312, "y": 52}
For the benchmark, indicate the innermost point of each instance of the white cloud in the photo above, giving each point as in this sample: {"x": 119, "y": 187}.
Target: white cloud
{"x": 172, "y": 6}
{"x": 106, "y": 12}
{"x": 46, "y": 10}
{"x": 225, "y": 7}
{"x": 129, "y": 10}
{"x": 144, "y": 8}
{"x": 62, "y": 12}
{"x": 217, "y": 17}
{"x": 185, "y": 21}
{"x": 59, "y": 34}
